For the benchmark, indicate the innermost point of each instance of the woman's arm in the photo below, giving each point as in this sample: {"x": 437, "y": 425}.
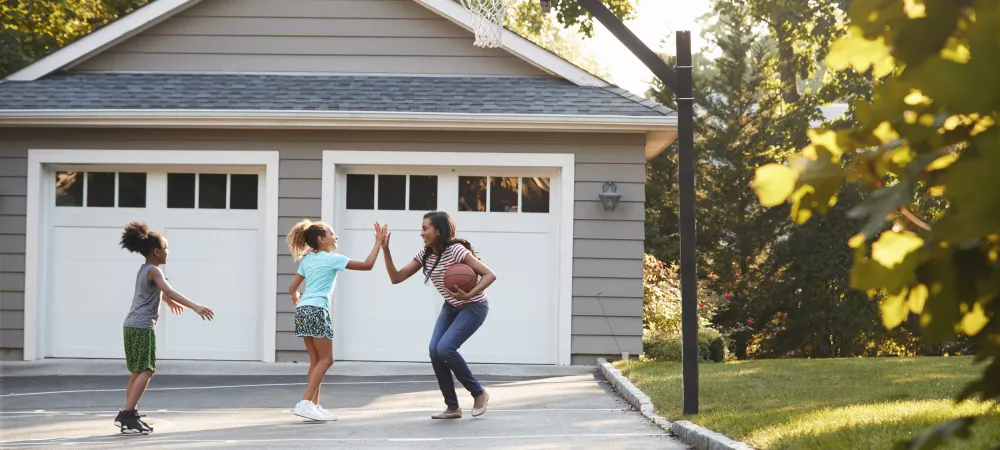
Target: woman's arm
{"x": 293, "y": 289}
{"x": 399, "y": 276}
{"x": 396, "y": 276}
{"x": 369, "y": 262}
{"x": 486, "y": 278}
{"x": 157, "y": 278}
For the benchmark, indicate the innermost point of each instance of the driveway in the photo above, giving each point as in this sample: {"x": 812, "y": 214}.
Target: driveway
{"x": 554, "y": 411}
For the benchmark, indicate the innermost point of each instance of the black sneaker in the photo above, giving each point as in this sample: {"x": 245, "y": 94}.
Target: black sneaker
{"x": 143, "y": 420}
{"x": 118, "y": 419}
{"x": 132, "y": 424}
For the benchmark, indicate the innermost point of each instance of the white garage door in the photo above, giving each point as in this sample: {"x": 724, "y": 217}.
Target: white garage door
{"x": 509, "y": 216}
{"x": 212, "y": 219}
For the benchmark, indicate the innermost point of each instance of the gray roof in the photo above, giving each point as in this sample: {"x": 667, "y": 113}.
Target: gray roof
{"x": 473, "y": 95}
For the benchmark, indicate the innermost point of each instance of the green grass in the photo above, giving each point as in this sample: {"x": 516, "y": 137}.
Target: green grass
{"x": 862, "y": 403}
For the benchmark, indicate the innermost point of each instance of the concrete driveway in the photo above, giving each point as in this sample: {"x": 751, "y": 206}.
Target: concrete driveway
{"x": 549, "y": 411}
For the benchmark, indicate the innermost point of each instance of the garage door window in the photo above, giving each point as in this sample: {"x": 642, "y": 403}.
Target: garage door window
{"x": 392, "y": 192}
{"x": 503, "y": 194}
{"x": 101, "y": 189}
{"x": 212, "y": 191}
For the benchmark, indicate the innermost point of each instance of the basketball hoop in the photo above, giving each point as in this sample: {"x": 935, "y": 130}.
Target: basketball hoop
{"x": 487, "y": 20}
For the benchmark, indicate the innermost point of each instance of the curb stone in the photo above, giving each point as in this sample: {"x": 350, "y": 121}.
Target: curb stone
{"x": 697, "y": 436}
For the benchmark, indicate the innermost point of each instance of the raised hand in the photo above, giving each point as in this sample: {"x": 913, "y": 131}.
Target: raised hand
{"x": 385, "y": 236}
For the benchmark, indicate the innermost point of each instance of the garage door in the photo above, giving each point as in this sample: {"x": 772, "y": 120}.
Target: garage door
{"x": 510, "y": 217}
{"x": 212, "y": 219}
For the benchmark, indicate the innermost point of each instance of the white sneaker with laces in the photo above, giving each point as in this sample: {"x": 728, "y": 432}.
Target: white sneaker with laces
{"x": 306, "y": 409}
{"x": 328, "y": 414}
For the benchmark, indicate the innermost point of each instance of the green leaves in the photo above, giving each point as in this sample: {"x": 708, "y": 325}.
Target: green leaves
{"x": 930, "y": 130}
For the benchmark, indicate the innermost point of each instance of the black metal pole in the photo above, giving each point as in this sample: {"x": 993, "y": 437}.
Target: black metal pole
{"x": 679, "y": 80}
{"x": 689, "y": 275}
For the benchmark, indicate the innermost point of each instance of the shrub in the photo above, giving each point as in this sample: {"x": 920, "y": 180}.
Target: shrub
{"x": 662, "y": 298}
{"x": 666, "y": 346}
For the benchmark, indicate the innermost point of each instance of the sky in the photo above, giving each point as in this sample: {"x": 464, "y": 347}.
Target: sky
{"x": 656, "y": 20}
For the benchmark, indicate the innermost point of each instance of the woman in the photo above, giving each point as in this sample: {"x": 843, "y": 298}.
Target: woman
{"x": 462, "y": 313}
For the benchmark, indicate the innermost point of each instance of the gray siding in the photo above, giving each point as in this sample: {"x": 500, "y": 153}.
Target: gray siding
{"x": 13, "y": 189}
{"x": 328, "y": 36}
{"x": 608, "y": 247}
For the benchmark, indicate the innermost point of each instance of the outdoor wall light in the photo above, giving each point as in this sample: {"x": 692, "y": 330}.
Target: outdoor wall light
{"x": 610, "y": 196}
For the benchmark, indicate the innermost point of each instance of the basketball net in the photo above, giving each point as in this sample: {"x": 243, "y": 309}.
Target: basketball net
{"x": 487, "y": 20}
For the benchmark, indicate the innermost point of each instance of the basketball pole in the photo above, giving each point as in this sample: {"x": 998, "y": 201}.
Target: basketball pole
{"x": 680, "y": 81}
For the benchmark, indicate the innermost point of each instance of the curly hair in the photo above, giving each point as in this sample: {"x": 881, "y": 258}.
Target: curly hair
{"x": 138, "y": 239}
{"x": 304, "y": 236}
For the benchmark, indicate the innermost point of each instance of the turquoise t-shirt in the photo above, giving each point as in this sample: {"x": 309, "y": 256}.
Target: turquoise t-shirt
{"x": 320, "y": 270}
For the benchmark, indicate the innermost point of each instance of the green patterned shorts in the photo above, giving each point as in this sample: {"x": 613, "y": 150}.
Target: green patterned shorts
{"x": 140, "y": 349}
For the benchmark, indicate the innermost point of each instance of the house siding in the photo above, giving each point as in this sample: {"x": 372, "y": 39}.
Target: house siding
{"x": 608, "y": 246}
{"x": 321, "y": 36}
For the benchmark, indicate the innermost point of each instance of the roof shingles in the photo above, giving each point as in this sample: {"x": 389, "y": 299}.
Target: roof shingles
{"x": 469, "y": 95}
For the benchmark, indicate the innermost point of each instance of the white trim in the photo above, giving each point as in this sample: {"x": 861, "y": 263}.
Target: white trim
{"x": 93, "y": 43}
{"x": 566, "y": 163}
{"x": 518, "y": 46}
{"x": 160, "y": 10}
{"x": 35, "y": 254}
{"x": 382, "y": 120}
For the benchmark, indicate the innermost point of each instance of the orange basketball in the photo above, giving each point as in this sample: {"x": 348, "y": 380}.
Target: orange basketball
{"x": 461, "y": 275}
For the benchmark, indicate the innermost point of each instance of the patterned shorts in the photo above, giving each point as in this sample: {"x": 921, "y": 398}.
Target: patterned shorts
{"x": 140, "y": 349}
{"x": 313, "y": 321}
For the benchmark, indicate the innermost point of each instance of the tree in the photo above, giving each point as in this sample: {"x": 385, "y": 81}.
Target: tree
{"x": 34, "y": 28}
{"x": 930, "y": 130}
{"x": 570, "y": 13}
{"x": 806, "y": 307}
{"x": 525, "y": 17}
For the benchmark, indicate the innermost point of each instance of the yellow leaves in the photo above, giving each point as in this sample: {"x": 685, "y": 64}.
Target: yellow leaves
{"x": 914, "y": 9}
{"x": 915, "y": 97}
{"x": 892, "y": 247}
{"x": 885, "y": 133}
{"x": 974, "y": 321}
{"x": 942, "y": 162}
{"x": 918, "y": 297}
{"x": 822, "y": 139}
{"x": 979, "y": 123}
{"x": 774, "y": 183}
{"x": 894, "y": 309}
{"x": 859, "y": 53}
{"x": 956, "y": 51}
{"x": 856, "y": 241}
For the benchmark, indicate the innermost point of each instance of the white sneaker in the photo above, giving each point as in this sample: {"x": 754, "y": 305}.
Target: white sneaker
{"x": 326, "y": 413}
{"x": 306, "y": 409}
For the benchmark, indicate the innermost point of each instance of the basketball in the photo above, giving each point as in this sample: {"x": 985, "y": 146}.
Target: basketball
{"x": 461, "y": 275}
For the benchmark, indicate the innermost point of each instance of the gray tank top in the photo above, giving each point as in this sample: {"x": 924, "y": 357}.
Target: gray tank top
{"x": 145, "y": 303}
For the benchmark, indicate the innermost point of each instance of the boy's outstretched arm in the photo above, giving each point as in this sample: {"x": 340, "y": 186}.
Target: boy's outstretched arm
{"x": 156, "y": 276}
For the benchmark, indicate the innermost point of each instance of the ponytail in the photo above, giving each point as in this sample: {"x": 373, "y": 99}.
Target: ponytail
{"x": 303, "y": 237}
{"x": 138, "y": 239}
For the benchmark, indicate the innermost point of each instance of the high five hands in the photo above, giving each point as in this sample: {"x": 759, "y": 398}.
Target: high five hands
{"x": 382, "y": 235}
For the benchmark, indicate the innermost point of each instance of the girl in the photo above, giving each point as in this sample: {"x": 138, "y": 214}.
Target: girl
{"x": 462, "y": 313}
{"x": 313, "y": 243}
{"x": 140, "y": 341}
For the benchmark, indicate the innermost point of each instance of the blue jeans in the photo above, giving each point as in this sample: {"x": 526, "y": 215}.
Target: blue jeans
{"x": 454, "y": 327}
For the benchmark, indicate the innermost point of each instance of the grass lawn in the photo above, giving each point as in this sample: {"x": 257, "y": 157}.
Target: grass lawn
{"x": 861, "y": 403}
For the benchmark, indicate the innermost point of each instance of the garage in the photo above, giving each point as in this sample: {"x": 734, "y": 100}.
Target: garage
{"x": 510, "y": 214}
{"x": 213, "y": 217}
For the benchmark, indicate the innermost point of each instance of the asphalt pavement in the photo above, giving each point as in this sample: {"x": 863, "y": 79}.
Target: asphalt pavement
{"x": 559, "y": 411}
